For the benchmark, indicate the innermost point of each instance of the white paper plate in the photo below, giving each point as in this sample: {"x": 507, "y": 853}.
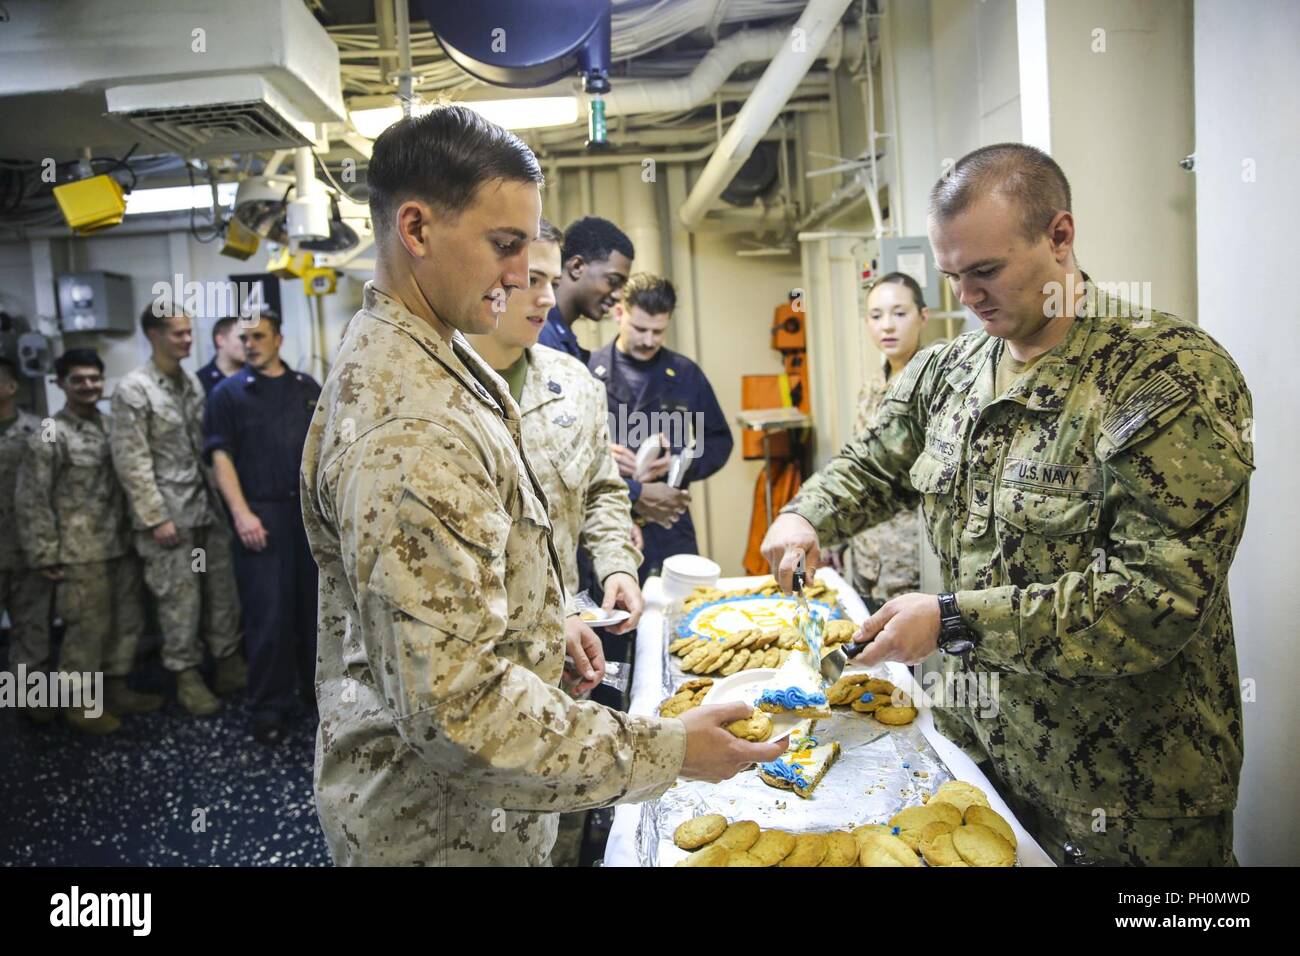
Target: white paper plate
{"x": 617, "y": 616}
{"x": 747, "y": 686}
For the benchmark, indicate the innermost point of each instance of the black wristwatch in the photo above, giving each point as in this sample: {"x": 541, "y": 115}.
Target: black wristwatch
{"x": 954, "y": 636}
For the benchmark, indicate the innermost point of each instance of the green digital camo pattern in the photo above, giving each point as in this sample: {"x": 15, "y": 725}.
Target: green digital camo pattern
{"x": 444, "y": 738}
{"x": 157, "y": 442}
{"x": 102, "y": 606}
{"x": 13, "y": 449}
{"x": 885, "y": 559}
{"x": 1086, "y": 520}
{"x": 566, "y": 439}
{"x": 71, "y": 509}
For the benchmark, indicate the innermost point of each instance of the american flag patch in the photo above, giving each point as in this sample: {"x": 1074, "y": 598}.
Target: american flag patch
{"x": 1151, "y": 398}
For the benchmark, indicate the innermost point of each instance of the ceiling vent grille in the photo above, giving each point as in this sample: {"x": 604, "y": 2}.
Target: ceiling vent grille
{"x": 217, "y": 128}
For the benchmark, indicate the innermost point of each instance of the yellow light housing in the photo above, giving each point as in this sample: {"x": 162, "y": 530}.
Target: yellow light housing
{"x": 319, "y": 281}
{"x": 288, "y": 266}
{"x": 91, "y": 204}
{"x": 241, "y": 242}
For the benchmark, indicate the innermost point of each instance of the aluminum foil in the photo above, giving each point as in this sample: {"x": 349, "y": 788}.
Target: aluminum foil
{"x": 879, "y": 771}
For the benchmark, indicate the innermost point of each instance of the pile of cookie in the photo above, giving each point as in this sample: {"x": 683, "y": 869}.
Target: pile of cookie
{"x": 817, "y": 591}
{"x": 746, "y": 650}
{"x": 757, "y": 727}
{"x": 874, "y": 696}
{"x": 956, "y": 828}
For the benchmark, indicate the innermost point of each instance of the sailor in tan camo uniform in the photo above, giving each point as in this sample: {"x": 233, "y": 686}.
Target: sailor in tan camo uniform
{"x": 1084, "y": 471}
{"x": 74, "y": 528}
{"x": 180, "y": 530}
{"x": 566, "y": 437}
{"x": 444, "y": 738}
{"x": 24, "y": 592}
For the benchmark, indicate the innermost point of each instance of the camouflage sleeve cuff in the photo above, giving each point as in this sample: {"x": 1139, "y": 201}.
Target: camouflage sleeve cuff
{"x": 816, "y": 513}
{"x": 658, "y": 750}
{"x": 627, "y": 561}
{"x": 994, "y": 614}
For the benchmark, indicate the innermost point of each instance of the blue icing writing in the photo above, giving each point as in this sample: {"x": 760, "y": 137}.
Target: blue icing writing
{"x": 792, "y": 698}
{"x": 867, "y": 698}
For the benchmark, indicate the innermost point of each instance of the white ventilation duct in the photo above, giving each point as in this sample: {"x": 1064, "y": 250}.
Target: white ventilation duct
{"x": 800, "y": 48}
{"x": 196, "y": 78}
{"x": 701, "y": 84}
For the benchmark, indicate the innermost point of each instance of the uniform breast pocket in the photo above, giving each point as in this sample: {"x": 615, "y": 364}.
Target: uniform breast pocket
{"x": 1044, "y": 534}
{"x": 528, "y": 561}
{"x": 934, "y": 479}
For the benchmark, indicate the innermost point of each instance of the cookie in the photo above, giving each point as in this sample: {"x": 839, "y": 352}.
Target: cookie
{"x": 741, "y": 858}
{"x": 940, "y": 851}
{"x": 767, "y": 638}
{"x": 933, "y": 829}
{"x": 809, "y": 850}
{"x": 757, "y": 727}
{"x": 845, "y": 689}
{"x": 916, "y": 818}
{"x": 772, "y": 846}
{"x": 838, "y": 632}
{"x": 749, "y": 638}
{"x": 695, "y": 684}
{"x": 679, "y": 644}
{"x": 895, "y": 716}
{"x": 739, "y": 836}
{"x": 980, "y": 846}
{"x": 676, "y": 706}
{"x": 718, "y": 662}
{"x": 771, "y": 657}
{"x": 737, "y": 663}
{"x": 710, "y": 856}
{"x": 699, "y": 695}
{"x": 984, "y": 816}
{"x": 868, "y": 703}
{"x": 960, "y": 794}
{"x": 696, "y": 832}
{"x": 841, "y": 849}
{"x": 696, "y": 657}
{"x": 882, "y": 849}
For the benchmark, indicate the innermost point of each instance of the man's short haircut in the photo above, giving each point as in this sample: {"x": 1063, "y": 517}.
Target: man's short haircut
{"x": 903, "y": 279}
{"x": 442, "y": 158}
{"x": 594, "y": 239}
{"x": 548, "y": 231}
{"x": 1027, "y": 176}
{"x": 271, "y": 316}
{"x": 653, "y": 295}
{"x": 155, "y": 316}
{"x": 221, "y": 327}
{"x": 74, "y": 358}
{"x": 8, "y": 371}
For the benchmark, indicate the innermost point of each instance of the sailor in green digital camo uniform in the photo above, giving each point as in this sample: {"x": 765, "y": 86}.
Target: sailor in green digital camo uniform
{"x": 1084, "y": 478}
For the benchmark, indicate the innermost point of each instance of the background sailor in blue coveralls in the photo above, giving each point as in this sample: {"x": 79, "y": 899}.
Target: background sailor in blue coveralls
{"x": 227, "y": 355}
{"x": 255, "y": 427}
{"x": 644, "y": 382}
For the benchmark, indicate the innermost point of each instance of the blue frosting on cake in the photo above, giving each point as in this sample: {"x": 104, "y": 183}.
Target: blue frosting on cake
{"x": 792, "y": 698}
{"x": 787, "y": 772}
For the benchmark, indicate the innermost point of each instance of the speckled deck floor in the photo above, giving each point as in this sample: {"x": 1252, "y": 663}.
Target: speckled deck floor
{"x": 130, "y": 799}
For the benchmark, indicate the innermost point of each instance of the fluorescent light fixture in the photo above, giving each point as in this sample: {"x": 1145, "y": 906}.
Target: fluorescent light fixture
{"x": 525, "y": 113}
{"x": 140, "y": 202}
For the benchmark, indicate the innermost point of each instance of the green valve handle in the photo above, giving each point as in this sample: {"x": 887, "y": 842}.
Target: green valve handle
{"x": 596, "y": 131}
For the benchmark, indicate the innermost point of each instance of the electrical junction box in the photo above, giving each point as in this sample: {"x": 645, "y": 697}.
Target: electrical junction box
{"x": 96, "y": 302}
